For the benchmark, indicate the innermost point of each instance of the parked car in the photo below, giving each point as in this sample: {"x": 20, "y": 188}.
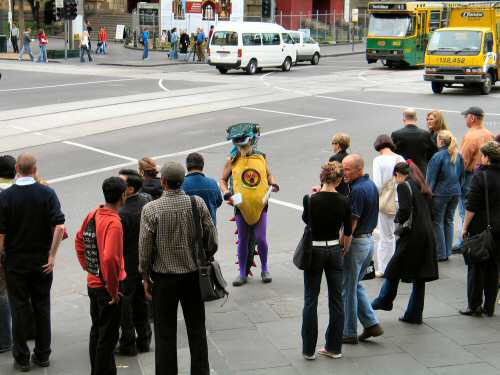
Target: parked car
{"x": 307, "y": 48}
{"x": 251, "y": 46}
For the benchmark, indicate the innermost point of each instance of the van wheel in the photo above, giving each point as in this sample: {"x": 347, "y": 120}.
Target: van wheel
{"x": 287, "y": 64}
{"x": 222, "y": 70}
{"x": 437, "y": 87}
{"x": 251, "y": 67}
{"x": 315, "y": 59}
{"x": 487, "y": 85}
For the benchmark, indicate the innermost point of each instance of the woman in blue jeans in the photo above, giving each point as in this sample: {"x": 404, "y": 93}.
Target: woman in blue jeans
{"x": 445, "y": 177}
{"x": 326, "y": 211}
{"x": 415, "y": 258}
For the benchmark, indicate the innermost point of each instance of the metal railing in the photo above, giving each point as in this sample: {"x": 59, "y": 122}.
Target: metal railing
{"x": 327, "y": 27}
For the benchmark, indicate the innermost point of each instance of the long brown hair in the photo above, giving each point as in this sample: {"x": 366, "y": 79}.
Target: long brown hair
{"x": 409, "y": 168}
{"x": 440, "y": 122}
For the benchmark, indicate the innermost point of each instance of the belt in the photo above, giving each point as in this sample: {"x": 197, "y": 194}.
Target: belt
{"x": 326, "y": 243}
{"x": 363, "y": 235}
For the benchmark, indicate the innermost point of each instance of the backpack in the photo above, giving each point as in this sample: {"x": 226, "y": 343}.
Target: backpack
{"x": 91, "y": 250}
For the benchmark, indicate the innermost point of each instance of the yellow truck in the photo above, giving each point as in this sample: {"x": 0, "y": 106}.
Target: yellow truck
{"x": 467, "y": 52}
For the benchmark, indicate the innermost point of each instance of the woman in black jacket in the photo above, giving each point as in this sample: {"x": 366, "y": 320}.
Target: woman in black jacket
{"x": 482, "y": 278}
{"x": 329, "y": 212}
{"x": 414, "y": 260}
{"x": 152, "y": 183}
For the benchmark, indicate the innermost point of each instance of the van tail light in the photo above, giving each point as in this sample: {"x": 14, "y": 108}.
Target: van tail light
{"x": 240, "y": 52}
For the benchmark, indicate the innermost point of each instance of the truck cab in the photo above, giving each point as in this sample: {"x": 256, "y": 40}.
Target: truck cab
{"x": 467, "y": 55}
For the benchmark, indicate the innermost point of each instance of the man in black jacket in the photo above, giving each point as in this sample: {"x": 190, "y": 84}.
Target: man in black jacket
{"x": 412, "y": 142}
{"x": 134, "y": 307}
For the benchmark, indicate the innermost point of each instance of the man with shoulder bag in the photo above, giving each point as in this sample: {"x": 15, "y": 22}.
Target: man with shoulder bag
{"x": 168, "y": 246}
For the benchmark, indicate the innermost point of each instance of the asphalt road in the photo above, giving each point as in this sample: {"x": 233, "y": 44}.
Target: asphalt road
{"x": 84, "y": 123}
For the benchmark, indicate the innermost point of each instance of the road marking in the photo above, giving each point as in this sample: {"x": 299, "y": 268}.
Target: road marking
{"x": 100, "y": 151}
{"x": 285, "y": 113}
{"x": 160, "y": 83}
{"x": 70, "y": 84}
{"x": 286, "y": 204}
{"x": 392, "y": 105}
{"x": 263, "y": 77}
{"x": 165, "y": 156}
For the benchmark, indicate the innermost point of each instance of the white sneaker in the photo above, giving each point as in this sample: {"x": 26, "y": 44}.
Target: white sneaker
{"x": 379, "y": 274}
{"x": 309, "y": 357}
{"x": 326, "y": 353}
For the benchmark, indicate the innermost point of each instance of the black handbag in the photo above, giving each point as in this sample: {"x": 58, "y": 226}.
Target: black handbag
{"x": 212, "y": 283}
{"x": 370, "y": 271}
{"x": 478, "y": 248}
{"x": 303, "y": 253}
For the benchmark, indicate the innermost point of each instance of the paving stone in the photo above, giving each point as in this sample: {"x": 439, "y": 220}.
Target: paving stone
{"x": 487, "y": 352}
{"x": 478, "y": 368}
{"x": 323, "y": 365}
{"x": 288, "y": 370}
{"x": 229, "y": 320}
{"x": 466, "y": 330}
{"x": 433, "y": 350}
{"x": 259, "y": 312}
{"x": 392, "y": 364}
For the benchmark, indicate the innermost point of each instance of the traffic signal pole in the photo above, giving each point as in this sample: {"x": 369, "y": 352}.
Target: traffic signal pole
{"x": 66, "y": 40}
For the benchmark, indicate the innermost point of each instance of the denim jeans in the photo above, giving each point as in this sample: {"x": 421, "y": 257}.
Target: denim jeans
{"x": 356, "y": 302}
{"x": 5, "y": 330}
{"x": 444, "y": 216}
{"x": 26, "y": 49}
{"x": 328, "y": 260}
{"x": 173, "y": 51}
{"x": 388, "y": 294}
{"x": 145, "y": 54}
{"x": 463, "y": 200}
{"x": 42, "y": 57}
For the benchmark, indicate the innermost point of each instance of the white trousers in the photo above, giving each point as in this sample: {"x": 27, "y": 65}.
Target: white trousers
{"x": 386, "y": 243}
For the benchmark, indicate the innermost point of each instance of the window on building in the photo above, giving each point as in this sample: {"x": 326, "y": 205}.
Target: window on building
{"x": 435, "y": 20}
{"x": 271, "y": 39}
{"x": 252, "y": 40}
{"x": 208, "y": 12}
{"x": 178, "y": 9}
{"x": 224, "y": 10}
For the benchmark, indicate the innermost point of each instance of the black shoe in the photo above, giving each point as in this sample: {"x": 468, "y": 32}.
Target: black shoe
{"x": 266, "y": 277}
{"x": 468, "y": 312}
{"x": 488, "y": 313}
{"x": 404, "y": 320}
{"x": 456, "y": 250}
{"x": 38, "y": 362}
{"x": 443, "y": 260}
{"x": 143, "y": 348}
{"x": 127, "y": 352}
{"x": 23, "y": 367}
{"x": 5, "y": 350}
{"x": 379, "y": 306}
{"x": 350, "y": 340}
{"x": 239, "y": 281}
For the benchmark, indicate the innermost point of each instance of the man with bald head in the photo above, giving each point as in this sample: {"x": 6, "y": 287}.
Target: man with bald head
{"x": 412, "y": 142}
{"x": 364, "y": 206}
{"x": 31, "y": 230}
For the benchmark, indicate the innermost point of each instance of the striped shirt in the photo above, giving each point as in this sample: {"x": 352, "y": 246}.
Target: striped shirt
{"x": 167, "y": 234}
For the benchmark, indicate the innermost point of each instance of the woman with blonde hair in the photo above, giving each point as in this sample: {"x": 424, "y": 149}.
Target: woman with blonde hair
{"x": 436, "y": 123}
{"x": 326, "y": 212}
{"x": 445, "y": 176}
{"x": 149, "y": 171}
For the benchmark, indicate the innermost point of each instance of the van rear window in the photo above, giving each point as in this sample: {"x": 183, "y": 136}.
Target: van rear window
{"x": 225, "y": 38}
{"x": 252, "y": 40}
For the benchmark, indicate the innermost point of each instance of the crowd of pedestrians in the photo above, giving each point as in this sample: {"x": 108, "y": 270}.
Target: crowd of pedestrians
{"x": 139, "y": 244}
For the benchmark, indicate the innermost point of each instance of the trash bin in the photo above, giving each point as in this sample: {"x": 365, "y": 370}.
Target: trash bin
{"x": 3, "y": 43}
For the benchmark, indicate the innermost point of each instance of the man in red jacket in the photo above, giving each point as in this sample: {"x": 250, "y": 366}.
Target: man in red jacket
{"x": 99, "y": 246}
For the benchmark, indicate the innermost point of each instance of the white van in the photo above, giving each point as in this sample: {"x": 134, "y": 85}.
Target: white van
{"x": 307, "y": 48}
{"x": 251, "y": 46}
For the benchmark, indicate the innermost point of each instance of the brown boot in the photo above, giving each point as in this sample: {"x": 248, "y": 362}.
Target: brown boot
{"x": 372, "y": 331}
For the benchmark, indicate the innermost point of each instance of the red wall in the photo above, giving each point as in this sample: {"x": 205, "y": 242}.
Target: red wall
{"x": 293, "y": 7}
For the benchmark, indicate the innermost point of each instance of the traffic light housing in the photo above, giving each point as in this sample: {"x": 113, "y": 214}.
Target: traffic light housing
{"x": 59, "y": 14}
{"x": 266, "y": 8}
{"x": 70, "y": 9}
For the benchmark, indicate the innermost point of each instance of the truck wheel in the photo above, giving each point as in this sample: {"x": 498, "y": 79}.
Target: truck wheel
{"x": 287, "y": 64}
{"x": 487, "y": 85}
{"x": 222, "y": 70}
{"x": 251, "y": 67}
{"x": 315, "y": 59}
{"x": 437, "y": 87}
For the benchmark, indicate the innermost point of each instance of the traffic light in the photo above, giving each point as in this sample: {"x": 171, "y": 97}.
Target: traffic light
{"x": 266, "y": 8}
{"x": 70, "y": 9}
{"x": 59, "y": 14}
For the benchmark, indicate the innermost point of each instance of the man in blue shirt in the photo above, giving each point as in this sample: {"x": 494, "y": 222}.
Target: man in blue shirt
{"x": 145, "y": 41}
{"x": 196, "y": 183}
{"x": 365, "y": 207}
{"x": 200, "y": 39}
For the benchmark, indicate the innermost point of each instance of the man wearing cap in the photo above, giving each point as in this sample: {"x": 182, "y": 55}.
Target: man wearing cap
{"x": 472, "y": 142}
{"x": 169, "y": 268}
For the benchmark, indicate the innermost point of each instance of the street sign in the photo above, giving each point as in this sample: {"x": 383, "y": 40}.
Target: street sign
{"x": 355, "y": 14}
{"x": 59, "y": 3}
{"x": 119, "y": 32}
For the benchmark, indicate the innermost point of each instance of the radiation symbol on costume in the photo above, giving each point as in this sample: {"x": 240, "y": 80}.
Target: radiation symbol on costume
{"x": 251, "y": 178}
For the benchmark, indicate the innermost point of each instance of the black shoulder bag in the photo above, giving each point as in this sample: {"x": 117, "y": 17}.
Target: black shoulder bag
{"x": 478, "y": 248}
{"x": 303, "y": 253}
{"x": 212, "y": 283}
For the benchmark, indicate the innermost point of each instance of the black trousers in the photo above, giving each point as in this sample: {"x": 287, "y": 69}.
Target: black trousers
{"x": 482, "y": 279}
{"x": 168, "y": 291}
{"x": 104, "y": 332}
{"x": 134, "y": 316}
{"x": 15, "y": 45}
{"x": 30, "y": 290}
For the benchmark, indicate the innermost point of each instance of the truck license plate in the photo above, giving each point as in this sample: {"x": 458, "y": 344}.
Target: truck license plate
{"x": 449, "y": 78}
